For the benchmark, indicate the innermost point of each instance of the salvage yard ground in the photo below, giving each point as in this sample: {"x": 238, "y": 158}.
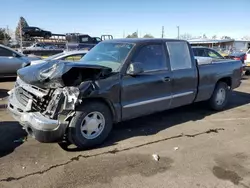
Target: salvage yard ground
{"x": 197, "y": 148}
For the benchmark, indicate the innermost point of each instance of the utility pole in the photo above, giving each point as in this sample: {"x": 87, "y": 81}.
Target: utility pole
{"x": 7, "y": 29}
{"x": 123, "y": 34}
{"x": 162, "y": 32}
{"x": 21, "y": 37}
{"x": 178, "y": 28}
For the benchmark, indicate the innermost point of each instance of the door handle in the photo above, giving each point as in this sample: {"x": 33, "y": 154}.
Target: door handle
{"x": 166, "y": 79}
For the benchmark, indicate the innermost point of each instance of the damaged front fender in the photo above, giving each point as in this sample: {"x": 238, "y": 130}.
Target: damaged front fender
{"x": 66, "y": 99}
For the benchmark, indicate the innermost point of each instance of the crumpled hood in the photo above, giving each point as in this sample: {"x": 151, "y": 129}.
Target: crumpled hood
{"x": 54, "y": 74}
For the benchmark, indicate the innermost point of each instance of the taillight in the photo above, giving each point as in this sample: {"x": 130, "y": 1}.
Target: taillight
{"x": 237, "y": 58}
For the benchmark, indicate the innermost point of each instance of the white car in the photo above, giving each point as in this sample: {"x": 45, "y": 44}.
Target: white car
{"x": 64, "y": 56}
{"x": 248, "y": 56}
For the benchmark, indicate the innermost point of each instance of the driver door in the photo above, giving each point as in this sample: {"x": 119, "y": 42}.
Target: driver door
{"x": 9, "y": 62}
{"x": 151, "y": 90}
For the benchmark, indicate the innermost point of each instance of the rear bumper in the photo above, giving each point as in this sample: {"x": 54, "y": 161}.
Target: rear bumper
{"x": 38, "y": 126}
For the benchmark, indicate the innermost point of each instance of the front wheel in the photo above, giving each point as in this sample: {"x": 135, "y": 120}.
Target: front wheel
{"x": 91, "y": 125}
{"x": 219, "y": 99}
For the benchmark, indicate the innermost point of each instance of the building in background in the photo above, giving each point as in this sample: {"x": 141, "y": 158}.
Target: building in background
{"x": 222, "y": 45}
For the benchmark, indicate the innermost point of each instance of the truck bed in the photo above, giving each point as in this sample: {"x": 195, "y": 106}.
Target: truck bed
{"x": 211, "y": 72}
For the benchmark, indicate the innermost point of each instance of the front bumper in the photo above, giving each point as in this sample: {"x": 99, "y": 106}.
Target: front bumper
{"x": 38, "y": 126}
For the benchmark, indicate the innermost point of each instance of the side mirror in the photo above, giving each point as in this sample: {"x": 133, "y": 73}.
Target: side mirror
{"x": 135, "y": 69}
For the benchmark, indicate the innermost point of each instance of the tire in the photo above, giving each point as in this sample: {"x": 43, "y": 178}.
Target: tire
{"x": 80, "y": 137}
{"x": 247, "y": 73}
{"x": 217, "y": 102}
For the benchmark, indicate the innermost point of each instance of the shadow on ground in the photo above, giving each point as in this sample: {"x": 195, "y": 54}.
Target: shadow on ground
{"x": 3, "y": 93}
{"x": 152, "y": 124}
{"x": 8, "y": 79}
{"x": 9, "y": 132}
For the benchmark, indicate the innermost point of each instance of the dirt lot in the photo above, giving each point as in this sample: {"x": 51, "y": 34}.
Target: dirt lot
{"x": 197, "y": 148}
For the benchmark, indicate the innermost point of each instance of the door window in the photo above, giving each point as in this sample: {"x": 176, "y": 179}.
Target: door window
{"x": 213, "y": 54}
{"x": 5, "y": 52}
{"x": 179, "y": 55}
{"x": 151, "y": 57}
{"x": 199, "y": 52}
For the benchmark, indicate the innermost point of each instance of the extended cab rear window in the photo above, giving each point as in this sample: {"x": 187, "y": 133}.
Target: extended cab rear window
{"x": 179, "y": 55}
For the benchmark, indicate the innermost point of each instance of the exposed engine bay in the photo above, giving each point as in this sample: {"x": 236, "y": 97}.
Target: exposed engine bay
{"x": 56, "y": 87}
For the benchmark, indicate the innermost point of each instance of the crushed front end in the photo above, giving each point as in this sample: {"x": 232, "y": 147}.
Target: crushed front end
{"x": 45, "y": 97}
{"x": 42, "y": 112}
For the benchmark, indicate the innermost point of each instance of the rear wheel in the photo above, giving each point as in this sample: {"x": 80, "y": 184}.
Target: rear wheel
{"x": 219, "y": 99}
{"x": 247, "y": 73}
{"x": 91, "y": 125}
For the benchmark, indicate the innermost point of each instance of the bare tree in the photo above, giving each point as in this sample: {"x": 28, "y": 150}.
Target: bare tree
{"x": 186, "y": 36}
{"x": 214, "y": 37}
{"x": 225, "y": 37}
{"x": 133, "y": 35}
{"x": 148, "y": 36}
{"x": 246, "y": 38}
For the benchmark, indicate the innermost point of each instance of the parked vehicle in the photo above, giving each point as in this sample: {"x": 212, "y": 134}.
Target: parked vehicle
{"x": 247, "y": 63}
{"x": 35, "y": 32}
{"x": 77, "y": 41}
{"x": 64, "y": 56}
{"x": 237, "y": 56}
{"x": 116, "y": 80}
{"x": 41, "y": 46}
{"x": 11, "y": 61}
{"x": 206, "y": 52}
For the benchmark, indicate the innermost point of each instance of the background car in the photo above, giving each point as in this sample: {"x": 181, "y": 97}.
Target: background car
{"x": 64, "y": 56}
{"x": 11, "y": 61}
{"x": 237, "y": 56}
{"x": 35, "y": 32}
{"x": 41, "y": 46}
{"x": 206, "y": 52}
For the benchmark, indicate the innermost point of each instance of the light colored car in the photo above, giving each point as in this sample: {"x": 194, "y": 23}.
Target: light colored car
{"x": 64, "y": 56}
{"x": 247, "y": 61}
{"x": 11, "y": 61}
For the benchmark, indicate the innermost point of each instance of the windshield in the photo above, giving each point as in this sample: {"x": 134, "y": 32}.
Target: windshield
{"x": 53, "y": 56}
{"x": 107, "y": 54}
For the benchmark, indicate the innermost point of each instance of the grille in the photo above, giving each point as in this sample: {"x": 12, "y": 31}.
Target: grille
{"x": 38, "y": 104}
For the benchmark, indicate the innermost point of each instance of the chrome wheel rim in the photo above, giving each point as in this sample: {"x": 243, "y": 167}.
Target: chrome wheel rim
{"x": 221, "y": 96}
{"x": 92, "y": 125}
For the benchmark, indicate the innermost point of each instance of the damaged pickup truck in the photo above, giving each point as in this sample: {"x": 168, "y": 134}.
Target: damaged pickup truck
{"x": 117, "y": 80}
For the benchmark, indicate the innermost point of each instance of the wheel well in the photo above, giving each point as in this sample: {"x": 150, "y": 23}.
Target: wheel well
{"x": 104, "y": 101}
{"x": 226, "y": 80}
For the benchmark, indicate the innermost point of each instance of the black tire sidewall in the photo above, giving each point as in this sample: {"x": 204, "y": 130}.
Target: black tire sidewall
{"x": 213, "y": 104}
{"x": 75, "y": 125}
{"x": 247, "y": 73}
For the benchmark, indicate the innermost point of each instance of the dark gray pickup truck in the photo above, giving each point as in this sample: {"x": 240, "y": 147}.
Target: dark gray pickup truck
{"x": 77, "y": 103}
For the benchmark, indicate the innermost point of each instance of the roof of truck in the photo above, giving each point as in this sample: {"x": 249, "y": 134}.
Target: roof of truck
{"x": 141, "y": 40}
